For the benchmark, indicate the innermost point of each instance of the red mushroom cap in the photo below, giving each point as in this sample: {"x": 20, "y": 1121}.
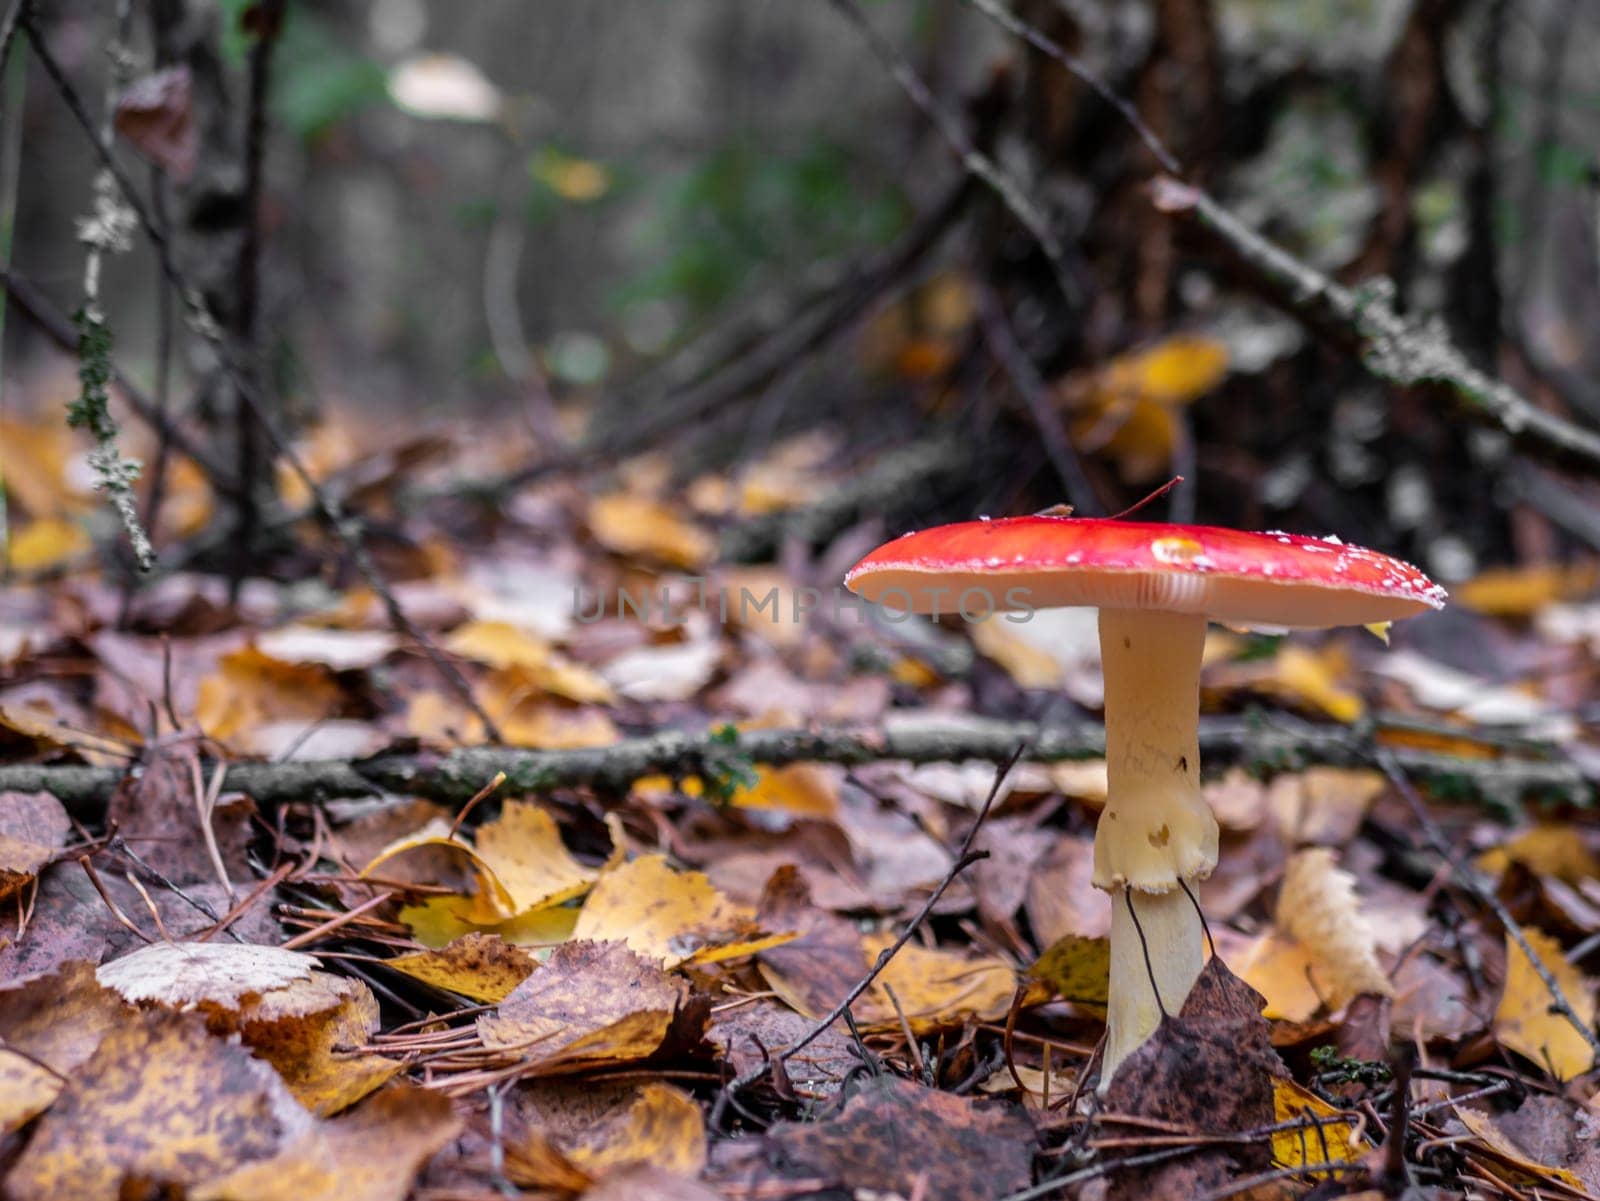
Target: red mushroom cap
{"x": 1018, "y": 563}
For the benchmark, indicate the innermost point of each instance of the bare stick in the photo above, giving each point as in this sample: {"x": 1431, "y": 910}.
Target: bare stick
{"x": 973, "y": 160}
{"x": 1035, "y": 393}
{"x": 1015, "y": 26}
{"x": 1395, "y": 349}
{"x": 1270, "y": 744}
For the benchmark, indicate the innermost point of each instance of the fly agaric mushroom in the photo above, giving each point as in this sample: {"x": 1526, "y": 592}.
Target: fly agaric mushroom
{"x": 1156, "y": 585}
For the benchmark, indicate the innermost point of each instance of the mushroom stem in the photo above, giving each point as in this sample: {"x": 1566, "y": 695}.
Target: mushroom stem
{"x": 1156, "y": 829}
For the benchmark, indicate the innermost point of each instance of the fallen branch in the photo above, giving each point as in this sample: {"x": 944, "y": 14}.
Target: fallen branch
{"x": 1264, "y": 744}
{"x": 1400, "y": 350}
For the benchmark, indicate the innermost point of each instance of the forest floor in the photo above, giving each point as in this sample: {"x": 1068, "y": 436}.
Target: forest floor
{"x": 522, "y": 892}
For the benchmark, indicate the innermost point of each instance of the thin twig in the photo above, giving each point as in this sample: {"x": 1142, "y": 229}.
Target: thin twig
{"x": 1035, "y": 393}
{"x": 973, "y": 160}
{"x": 965, "y": 858}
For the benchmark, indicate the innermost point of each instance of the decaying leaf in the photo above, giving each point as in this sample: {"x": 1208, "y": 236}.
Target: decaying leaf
{"x": 1075, "y": 968}
{"x": 1525, "y": 1020}
{"x": 33, "y": 826}
{"x": 483, "y": 967}
{"x": 27, "y": 1089}
{"x": 160, "y": 1102}
{"x": 372, "y": 1154}
{"x": 220, "y": 974}
{"x": 251, "y": 689}
{"x": 593, "y": 1001}
{"x": 1547, "y": 849}
{"x": 1504, "y": 1159}
{"x": 635, "y": 525}
{"x": 898, "y": 1138}
{"x": 1209, "y": 1068}
{"x": 656, "y": 1126}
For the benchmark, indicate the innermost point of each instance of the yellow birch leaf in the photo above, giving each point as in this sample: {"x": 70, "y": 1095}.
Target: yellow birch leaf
{"x": 1075, "y": 969}
{"x": 523, "y": 848}
{"x": 1524, "y": 1020}
{"x": 676, "y": 917}
{"x": 439, "y": 921}
{"x": 935, "y": 987}
{"x": 1523, "y": 591}
{"x": 1312, "y": 678}
{"x": 1548, "y": 850}
{"x": 1279, "y": 969}
{"x": 1029, "y": 665}
{"x": 371, "y": 1154}
{"x": 27, "y": 1089}
{"x": 806, "y": 789}
{"x": 46, "y": 543}
{"x": 250, "y": 689}
{"x": 638, "y": 527}
{"x": 1326, "y": 1137}
{"x": 663, "y": 1128}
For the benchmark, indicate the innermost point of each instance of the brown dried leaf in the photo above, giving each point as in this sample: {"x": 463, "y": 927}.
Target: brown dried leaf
{"x": 592, "y": 1002}
{"x": 155, "y": 115}
{"x": 33, "y": 826}
{"x": 1210, "y": 1069}
{"x": 896, "y": 1137}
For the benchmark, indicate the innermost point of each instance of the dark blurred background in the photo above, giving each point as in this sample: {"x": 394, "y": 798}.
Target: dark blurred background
{"x": 590, "y": 210}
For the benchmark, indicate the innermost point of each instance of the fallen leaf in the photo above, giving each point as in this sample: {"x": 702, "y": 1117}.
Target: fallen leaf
{"x": 309, "y": 1032}
{"x": 160, "y": 1100}
{"x": 1508, "y": 1161}
{"x": 898, "y": 1138}
{"x": 1323, "y": 805}
{"x": 27, "y": 1089}
{"x": 525, "y": 663}
{"x": 1318, "y": 908}
{"x": 45, "y": 544}
{"x": 657, "y": 1126}
{"x": 221, "y": 974}
{"x": 371, "y": 1154}
{"x": 676, "y": 917}
{"x": 59, "y": 1019}
{"x": 481, "y": 967}
{"x": 1524, "y": 591}
{"x": 1524, "y": 1020}
{"x": 591, "y": 1002}
{"x": 1547, "y": 850}
{"x": 1325, "y": 1137}
{"x": 523, "y": 848}
{"x": 1075, "y": 969}
{"x": 1209, "y": 1068}
{"x": 33, "y": 827}
{"x": 439, "y": 921}
{"x": 251, "y": 689}
{"x": 638, "y": 527}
